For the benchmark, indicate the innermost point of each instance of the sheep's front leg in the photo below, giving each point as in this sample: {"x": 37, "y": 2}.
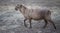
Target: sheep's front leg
{"x": 30, "y": 23}
{"x": 25, "y": 22}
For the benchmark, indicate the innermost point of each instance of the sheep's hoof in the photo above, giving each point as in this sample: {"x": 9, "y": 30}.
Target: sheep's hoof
{"x": 25, "y": 25}
{"x": 44, "y": 27}
{"x": 54, "y": 27}
{"x": 30, "y": 27}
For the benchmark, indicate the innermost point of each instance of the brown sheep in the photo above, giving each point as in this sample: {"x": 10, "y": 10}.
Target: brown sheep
{"x": 35, "y": 14}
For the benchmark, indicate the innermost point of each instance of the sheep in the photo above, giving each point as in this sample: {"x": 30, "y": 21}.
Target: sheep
{"x": 35, "y": 14}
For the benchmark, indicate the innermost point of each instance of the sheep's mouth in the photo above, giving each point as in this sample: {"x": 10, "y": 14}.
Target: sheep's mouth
{"x": 16, "y": 9}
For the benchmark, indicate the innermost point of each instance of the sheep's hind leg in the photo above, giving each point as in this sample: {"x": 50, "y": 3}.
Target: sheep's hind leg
{"x": 30, "y": 23}
{"x": 52, "y": 23}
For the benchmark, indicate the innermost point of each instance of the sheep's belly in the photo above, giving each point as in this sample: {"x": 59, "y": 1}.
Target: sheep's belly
{"x": 36, "y": 17}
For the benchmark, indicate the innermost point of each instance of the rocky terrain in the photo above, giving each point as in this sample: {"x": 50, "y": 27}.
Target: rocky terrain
{"x": 11, "y": 21}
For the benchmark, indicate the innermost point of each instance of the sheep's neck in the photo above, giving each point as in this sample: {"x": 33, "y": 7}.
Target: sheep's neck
{"x": 23, "y": 11}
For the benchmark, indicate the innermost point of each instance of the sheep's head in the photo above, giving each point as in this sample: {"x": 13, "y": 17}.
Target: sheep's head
{"x": 17, "y": 7}
{"x": 21, "y": 8}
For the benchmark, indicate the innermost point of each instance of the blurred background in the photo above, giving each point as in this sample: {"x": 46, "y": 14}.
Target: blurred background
{"x": 11, "y": 21}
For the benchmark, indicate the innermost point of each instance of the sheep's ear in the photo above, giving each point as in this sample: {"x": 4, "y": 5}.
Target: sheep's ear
{"x": 17, "y": 4}
{"x": 21, "y": 5}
